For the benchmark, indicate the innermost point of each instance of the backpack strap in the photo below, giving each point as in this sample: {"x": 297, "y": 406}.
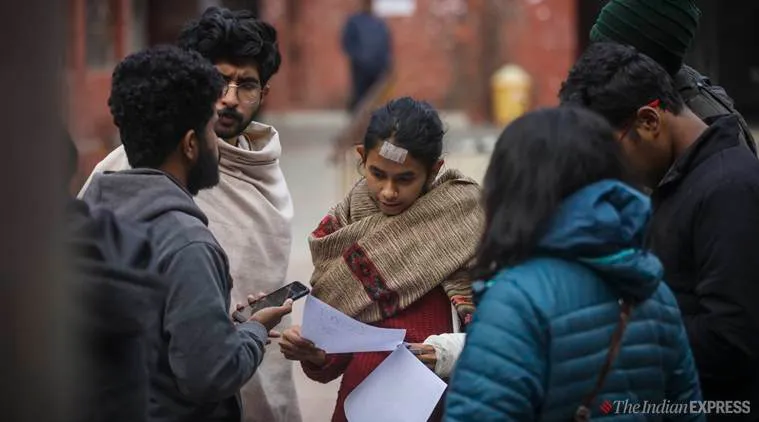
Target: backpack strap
{"x": 708, "y": 100}
{"x": 583, "y": 411}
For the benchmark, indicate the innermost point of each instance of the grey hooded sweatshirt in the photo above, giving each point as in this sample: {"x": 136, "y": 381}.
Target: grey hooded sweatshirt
{"x": 203, "y": 358}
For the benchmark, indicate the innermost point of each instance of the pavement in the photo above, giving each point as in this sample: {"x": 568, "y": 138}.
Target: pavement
{"x": 313, "y": 185}
{"x": 316, "y": 184}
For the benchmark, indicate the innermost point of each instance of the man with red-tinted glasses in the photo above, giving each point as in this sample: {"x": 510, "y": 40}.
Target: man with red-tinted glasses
{"x": 706, "y": 209}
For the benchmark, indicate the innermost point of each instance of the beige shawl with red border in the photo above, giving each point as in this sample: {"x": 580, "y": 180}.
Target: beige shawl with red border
{"x": 371, "y": 266}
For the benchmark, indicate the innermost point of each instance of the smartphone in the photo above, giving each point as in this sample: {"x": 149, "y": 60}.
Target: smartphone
{"x": 294, "y": 291}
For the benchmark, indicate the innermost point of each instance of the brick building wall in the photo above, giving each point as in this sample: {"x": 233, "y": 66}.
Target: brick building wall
{"x": 444, "y": 53}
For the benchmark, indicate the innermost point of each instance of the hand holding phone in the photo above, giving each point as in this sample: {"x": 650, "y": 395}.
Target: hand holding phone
{"x": 271, "y": 317}
{"x": 274, "y": 300}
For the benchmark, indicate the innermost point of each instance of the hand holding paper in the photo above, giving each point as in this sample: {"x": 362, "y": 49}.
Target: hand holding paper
{"x": 335, "y": 332}
{"x": 401, "y": 379}
{"x": 294, "y": 347}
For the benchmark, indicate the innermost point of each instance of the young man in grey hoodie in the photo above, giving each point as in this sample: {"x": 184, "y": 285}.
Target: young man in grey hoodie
{"x": 162, "y": 101}
{"x": 250, "y": 211}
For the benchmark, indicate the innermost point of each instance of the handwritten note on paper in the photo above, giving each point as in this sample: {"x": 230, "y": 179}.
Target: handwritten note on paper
{"x": 400, "y": 389}
{"x": 335, "y": 332}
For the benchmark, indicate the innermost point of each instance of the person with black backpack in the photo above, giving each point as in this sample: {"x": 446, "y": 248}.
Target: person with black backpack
{"x": 663, "y": 30}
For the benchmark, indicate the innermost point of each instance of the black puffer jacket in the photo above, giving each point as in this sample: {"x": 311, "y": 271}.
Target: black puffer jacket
{"x": 704, "y": 230}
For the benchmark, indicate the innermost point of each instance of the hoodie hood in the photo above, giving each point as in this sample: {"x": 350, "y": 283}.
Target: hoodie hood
{"x": 141, "y": 195}
{"x": 603, "y": 226}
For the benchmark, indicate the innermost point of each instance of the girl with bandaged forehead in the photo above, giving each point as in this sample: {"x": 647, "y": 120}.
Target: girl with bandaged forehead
{"x": 395, "y": 252}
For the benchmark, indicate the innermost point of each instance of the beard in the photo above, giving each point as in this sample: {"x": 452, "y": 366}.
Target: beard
{"x": 205, "y": 173}
{"x": 233, "y": 130}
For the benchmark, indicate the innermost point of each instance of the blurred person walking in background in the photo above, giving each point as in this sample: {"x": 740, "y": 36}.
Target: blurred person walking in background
{"x": 250, "y": 211}
{"x": 367, "y": 42}
{"x": 571, "y": 309}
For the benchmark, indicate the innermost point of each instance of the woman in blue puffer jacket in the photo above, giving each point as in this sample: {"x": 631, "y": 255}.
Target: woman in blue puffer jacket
{"x": 562, "y": 257}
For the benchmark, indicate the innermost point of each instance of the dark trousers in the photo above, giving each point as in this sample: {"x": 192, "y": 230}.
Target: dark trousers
{"x": 363, "y": 81}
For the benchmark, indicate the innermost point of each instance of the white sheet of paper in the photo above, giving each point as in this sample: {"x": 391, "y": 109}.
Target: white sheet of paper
{"x": 400, "y": 389}
{"x": 335, "y": 332}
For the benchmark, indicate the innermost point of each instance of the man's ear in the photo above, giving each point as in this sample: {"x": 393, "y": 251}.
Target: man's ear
{"x": 361, "y": 152}
{"x": 264, "y": 93}
{"x": 190, "y": 146}
{"x": 649, "y": 120}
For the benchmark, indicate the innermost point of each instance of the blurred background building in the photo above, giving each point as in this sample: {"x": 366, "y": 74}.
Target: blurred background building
{"x": 445, "y": 51}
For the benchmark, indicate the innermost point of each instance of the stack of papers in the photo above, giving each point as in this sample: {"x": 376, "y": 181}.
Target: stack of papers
{"x": 400, "y": 389}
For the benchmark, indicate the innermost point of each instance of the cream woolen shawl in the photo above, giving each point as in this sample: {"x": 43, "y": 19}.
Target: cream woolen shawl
{"x": 250, "y": 213}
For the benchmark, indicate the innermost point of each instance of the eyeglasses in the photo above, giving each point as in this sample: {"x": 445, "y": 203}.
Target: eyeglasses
{"x": 247, "y": 92}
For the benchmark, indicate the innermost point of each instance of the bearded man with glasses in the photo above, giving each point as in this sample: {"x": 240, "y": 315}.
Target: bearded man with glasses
{"x": 250, "y": 210}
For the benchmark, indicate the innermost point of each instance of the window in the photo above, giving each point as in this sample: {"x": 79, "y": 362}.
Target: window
{"x": 251, "y": 5}
{"x": 139, "y": 26}
{"x": 101, "y": 31}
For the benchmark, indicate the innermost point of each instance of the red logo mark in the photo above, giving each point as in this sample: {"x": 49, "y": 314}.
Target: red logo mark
{"x": 606, "y": 407}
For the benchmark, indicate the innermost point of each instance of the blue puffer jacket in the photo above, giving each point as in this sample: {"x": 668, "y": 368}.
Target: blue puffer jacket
{"x": 542, "y": 329}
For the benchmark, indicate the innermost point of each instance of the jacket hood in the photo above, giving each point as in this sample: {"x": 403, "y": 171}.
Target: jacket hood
{"x": 141, "y": 195}
{"x": 603, "y": 226}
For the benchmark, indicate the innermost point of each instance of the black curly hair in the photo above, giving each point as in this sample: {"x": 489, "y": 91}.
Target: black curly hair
{"x": 615, "y": 80}
{"x": 411, "y": 124}
{"x": 236, "y": 37}
{"x": 159, "y": 94}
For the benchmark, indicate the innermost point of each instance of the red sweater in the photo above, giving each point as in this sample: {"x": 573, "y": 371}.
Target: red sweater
{"x": 427, "y": 316}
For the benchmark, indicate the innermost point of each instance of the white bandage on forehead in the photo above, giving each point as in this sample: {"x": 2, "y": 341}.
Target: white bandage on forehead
{"x": 393, "y": 152}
